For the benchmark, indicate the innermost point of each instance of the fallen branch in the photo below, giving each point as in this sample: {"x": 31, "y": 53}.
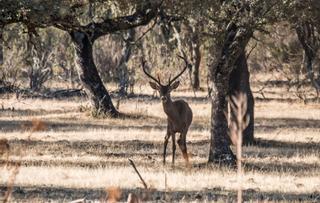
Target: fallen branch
{"x": 136, "y": 170}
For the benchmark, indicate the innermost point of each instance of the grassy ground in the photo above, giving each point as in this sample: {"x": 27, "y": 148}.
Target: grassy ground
{"x": 76, "y": 156}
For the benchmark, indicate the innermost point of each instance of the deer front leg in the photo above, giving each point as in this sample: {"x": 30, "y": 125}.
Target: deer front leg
{"x": 173, "y": 147}
{"x": 166, "y": 138}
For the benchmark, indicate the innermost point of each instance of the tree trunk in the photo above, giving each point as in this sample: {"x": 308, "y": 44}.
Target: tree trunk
{"x": 196, "y": 62}
{"x": 307, "y": 36}
{"x": 240, "y": 83}
{"x": 1, "y": 47}
{"x": 220, "y": 151}
{"x": 89, "y": 76}
{"x": 123, "y": 73}
{"x": 194, "y": 47}
{"x": 234, "y": 44}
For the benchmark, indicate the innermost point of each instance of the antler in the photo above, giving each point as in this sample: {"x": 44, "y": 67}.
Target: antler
{"x": 184, "y": 57}
{"x": 143, "y": 63}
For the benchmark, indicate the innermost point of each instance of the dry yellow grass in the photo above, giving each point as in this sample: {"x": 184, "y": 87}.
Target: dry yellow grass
{"x": 75, "y": 153}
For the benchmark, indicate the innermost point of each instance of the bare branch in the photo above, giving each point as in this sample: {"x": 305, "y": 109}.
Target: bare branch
{"x": 136, "y": 170}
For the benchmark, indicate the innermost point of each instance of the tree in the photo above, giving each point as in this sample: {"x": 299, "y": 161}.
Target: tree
{"x": 235, "y": 42}
{"x": 1, "y": 47}
{"x": 123, "y": 72}
{"x": 39, "y": 58}
{"x": 77, "y": 19}
{"x": 306, "y": 21}
{"x": 307, "y": 35}
{"x": 230, "y": 72}
{"x": 194, "y": 47}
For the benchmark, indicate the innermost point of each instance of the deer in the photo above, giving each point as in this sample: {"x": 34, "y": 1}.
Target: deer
{"x": 179, "y": 113}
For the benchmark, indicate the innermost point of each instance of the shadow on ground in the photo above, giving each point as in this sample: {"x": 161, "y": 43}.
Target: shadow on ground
{"x": 63, "y": 126}
{"x": 214, "y": 194}
{"x": 148, "y": 153}
{"x": 269, "y": 123}
{"x": 262, "y": 124}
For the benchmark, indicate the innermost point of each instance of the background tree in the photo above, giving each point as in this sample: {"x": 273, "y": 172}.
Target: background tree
{"x": 123, "y": 71}
{"x": 1, "y": 46}
{"x": 194, "y": 48}
{"x": 78, "y": 20}
{"x": 307, "y": 29}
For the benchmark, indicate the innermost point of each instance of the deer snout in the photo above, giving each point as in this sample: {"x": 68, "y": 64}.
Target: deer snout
{"x": 163, "y": 98}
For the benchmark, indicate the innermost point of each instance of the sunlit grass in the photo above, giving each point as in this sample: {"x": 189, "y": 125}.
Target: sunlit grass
{"x": 78, "y": 151}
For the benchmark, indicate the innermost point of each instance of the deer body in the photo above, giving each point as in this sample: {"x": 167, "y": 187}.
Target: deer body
{"x": 179, "y": 117}
{"x": 179, "y": 114}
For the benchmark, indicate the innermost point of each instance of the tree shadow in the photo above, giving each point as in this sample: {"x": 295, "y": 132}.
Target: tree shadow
{"x": 53, "y": 193}
{"x": 102, "y": 148}
{"x": 148, "y": 97}
{"x": 288, "y": 100}
{"x": 148, "y": 161}
{"x": 12, "y": 112}
{"x": 287, "y": 122}
{"x": 273, "y": 125}
{"x": 25, "y": 125}
{"x": 286, "y": 145}
{"x": 150, "y": 152}
{"x": 301, "y": 168}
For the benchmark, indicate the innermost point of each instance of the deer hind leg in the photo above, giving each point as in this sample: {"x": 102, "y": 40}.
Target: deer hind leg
{"x": 183, "y": 145}
{"x": 173, "y": 147}
{"x": 166, "y": 139}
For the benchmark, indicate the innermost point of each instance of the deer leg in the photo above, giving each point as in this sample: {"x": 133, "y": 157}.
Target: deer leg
{"x": 173, "y": 147}
{"x": 166, "y": 138}
{"x": 183, "y": 145}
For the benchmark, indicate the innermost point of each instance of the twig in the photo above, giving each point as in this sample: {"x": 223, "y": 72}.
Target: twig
{"x": 248, "y": 55}
{"x": 134, "y": 167}
{"x": 144, "y": 33}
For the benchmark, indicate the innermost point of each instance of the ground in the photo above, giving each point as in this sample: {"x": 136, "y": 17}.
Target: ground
{"x": 66, "y": 154}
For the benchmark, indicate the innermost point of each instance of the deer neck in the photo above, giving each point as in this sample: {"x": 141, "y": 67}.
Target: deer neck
{"x": 169, "y": 108}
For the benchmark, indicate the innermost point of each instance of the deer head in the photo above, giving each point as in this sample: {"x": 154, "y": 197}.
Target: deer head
{"x": 164, "y": 90}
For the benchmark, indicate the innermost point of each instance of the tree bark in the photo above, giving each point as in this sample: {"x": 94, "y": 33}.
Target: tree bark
{"x": 196, "y": 62}
{"x": 307, "y": 36}
{"x": 123, "y": 73}
{"x": 240, "y": 83}
{"x": 1, "y": 46}
{"x": 220, "y": 151}
{"x": 234, "y": 45}
{"x": 89, "y": 76}
{"x": 194, "y": 47}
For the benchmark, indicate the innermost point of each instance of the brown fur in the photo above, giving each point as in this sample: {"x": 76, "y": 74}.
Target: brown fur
{"x": 179, "y": 118}
{"x": 179, "y": 114}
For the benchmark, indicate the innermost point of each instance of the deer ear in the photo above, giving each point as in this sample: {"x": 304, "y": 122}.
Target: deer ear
{"x": 175, "y": 85}
{"x": 154, "y": 86}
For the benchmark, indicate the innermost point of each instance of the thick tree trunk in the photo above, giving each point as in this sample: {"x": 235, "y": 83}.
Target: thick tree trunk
{"x": 89, "y": 76}
{"x": 234, "y": 45}
{"x": 220, "y": 151}
{"x": 123, "y": 73}
{"x": 240, "y": 83}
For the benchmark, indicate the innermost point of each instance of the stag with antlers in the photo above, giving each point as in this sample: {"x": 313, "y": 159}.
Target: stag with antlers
{"x": 179, "y": 113}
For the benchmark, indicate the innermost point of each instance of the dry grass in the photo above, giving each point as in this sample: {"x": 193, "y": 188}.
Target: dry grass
{"x": 74, "y": 156}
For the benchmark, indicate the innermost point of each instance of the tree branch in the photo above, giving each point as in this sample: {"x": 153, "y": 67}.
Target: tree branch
{"x": 140, "y": 17}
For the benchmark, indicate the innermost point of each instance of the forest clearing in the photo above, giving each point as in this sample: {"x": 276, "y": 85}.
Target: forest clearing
{"x": 75, "y": 156}
{"x": 159, "y": 101}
